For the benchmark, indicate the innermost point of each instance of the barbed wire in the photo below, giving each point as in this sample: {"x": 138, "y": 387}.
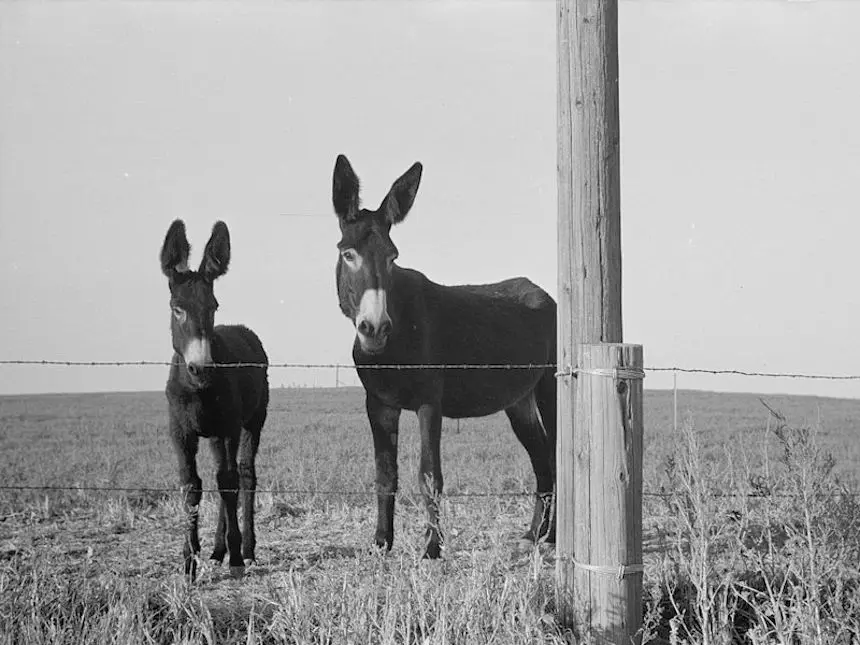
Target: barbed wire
{"x": 424, "y": 366}
{"x": 311, "y": 492}
{"x": 353, "y": 493}
{"x": 374, "y": 366}
{"x": 797, "y": 375}
{"x": 272, "y": 491}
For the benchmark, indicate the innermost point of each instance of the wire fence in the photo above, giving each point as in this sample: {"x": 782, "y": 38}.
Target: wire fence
{"x": 373, "y": 366}
{"x": 311, "y": 492}
{"x": 398, "y": 366}
{"x": 429, "y": 366}
{"x": 271, "y": 491}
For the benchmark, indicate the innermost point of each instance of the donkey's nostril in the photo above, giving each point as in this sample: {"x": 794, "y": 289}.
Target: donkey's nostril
{"x": 194, "y": 369}
{"x": 384, "y": 328}
{"x": 365, "y": 328}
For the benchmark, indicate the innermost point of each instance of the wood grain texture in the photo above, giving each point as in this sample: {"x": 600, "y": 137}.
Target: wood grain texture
{"x": 607, "y": 499}
{"x": 589, "y": 284}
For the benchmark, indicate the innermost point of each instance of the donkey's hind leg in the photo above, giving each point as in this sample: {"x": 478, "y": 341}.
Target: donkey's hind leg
{"x": 220, "y": 549}
{"x": 526, "y": 424}
{"x": 249, "y": 442}
{"x": 545, "y": 395}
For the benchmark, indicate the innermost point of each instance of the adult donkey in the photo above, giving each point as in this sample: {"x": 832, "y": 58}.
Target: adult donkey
{"x": 227, "y": 405}
{"x": 402, "y": 318}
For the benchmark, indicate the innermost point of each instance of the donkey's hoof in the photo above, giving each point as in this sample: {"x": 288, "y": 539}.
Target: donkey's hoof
{"x": 250, "y": 562}
{"x": 238, "y": 572}
{"x": 528, "y": 538}
{"x": 375, "y": 551}
{"x": 191, "y": 570}
{"x": 383, "y": 542}
{"x": 432, "y": 552}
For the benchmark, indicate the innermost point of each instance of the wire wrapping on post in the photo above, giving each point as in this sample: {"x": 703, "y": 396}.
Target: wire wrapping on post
{"x": 619, "y": 572}
{"x": 611, "y": 372}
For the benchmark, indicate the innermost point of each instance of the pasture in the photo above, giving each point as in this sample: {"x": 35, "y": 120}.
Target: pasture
{"x": 91, "y": 566}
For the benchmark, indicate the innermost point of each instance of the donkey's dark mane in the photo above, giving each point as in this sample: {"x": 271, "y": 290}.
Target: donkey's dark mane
{"x": 519, "y": 290}
{"x": 361, "y": 227}
{"x": 184, "y": 277}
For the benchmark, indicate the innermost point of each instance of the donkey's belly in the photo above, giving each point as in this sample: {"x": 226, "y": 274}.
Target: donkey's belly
{"x": 464, "y": 393}
{"x": 480, "y": 392}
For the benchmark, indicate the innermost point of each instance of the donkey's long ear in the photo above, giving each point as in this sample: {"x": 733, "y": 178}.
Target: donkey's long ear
{"x": 216, "y": 255}
{"x": 344, "y": 190}
{"x": 400, "y": 198}
{"x": 174, "y": 252}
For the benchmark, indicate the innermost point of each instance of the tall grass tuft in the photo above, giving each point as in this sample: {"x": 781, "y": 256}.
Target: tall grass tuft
{"x": 39, "y": 606}
{"x": 759, "y": 557}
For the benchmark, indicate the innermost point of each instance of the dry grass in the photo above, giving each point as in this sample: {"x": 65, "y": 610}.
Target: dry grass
{"x": 316, "y": 583}
{"x": 85, "y": 567}
{"x": 758, "y": 556}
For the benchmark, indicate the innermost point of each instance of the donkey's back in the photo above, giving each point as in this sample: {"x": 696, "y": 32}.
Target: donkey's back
{"x": 238, "y": 344}
{"x": 508, "y": 323}
{"x": 519, "y": 292}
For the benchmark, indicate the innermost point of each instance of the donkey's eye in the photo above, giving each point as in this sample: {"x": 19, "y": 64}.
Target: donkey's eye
{"x": 349, "y": 255}
{"x": 179, "y": 314}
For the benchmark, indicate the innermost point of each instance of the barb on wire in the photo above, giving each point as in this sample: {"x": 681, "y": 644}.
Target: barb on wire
{"x": 696, "y": 370}
{"x": 718, "y": 495}
{"x": 307, "y": 491}
{"x": 367, "y": 493}
{"x": 434, "y": 366}
{"x": 372, "y": 366}
{"x": 428, "y": 366}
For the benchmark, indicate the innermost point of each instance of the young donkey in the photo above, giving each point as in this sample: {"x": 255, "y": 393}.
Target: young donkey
{"x": 402, "y": 318}
{"x": 227, "y": 405}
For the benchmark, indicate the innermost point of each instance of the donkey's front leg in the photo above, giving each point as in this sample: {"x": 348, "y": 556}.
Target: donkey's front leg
{"x": 384, "y": 423}
{"x": 227, "y": 476}
{"x": 430, "y": 473}
{"x": 185, "y": 445}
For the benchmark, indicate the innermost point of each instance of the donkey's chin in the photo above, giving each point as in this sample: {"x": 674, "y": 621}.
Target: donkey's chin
{"x": 197, "y": 384}
{"x": 370, "y": 346}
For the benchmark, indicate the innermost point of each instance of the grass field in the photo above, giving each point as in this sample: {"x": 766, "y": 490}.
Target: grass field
{"x": 84, "y": 566}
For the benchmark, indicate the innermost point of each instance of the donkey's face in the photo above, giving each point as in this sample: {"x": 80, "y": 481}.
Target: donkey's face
{"x": 192, "y": 299}
{"x": 367, "y": 254}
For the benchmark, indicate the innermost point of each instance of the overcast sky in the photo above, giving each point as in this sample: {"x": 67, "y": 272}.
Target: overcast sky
{"x": 740, "y": 167}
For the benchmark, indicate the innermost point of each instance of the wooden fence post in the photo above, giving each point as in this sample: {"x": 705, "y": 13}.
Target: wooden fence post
{"x": 589, "y": 292}
{"x": 607, "y": 493}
